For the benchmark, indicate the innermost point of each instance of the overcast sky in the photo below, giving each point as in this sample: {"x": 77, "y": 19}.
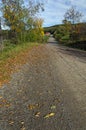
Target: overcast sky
{"x": 55, "y": 9}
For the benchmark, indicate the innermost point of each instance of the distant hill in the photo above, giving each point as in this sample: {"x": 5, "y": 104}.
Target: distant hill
{"x": 51, "y": 29}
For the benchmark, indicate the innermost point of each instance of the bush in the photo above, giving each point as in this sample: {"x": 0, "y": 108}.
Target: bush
{"x": 65, "y": 38}
{"x": 78, "y": 44}
{"x": 45, "y": 38}
{"x": 6, "y": 42}
{"x": 74, "y": 36}
{"x": 58, "y": 36}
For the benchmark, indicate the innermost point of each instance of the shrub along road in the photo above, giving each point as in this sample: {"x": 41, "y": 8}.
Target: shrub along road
{"x": 48, "y": 93}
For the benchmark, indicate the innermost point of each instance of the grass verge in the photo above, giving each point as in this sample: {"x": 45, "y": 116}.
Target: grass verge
{"x": 11, "y": 59}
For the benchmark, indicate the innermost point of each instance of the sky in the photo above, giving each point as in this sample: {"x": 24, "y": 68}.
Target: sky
{"x": 55, "y": 10}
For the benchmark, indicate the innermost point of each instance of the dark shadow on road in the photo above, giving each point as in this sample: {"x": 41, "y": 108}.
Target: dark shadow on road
{"x": 67, "y": 50}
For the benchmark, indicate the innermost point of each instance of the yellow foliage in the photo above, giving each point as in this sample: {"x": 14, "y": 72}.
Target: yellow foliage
{"x": 42, "y": 33}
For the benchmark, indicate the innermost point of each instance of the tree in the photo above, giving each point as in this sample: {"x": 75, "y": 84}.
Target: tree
{"x": 73, "y": 15}
{"x": 67, "y": 25}
{"x": 0, "y": 23}
{"x": 17, "y": 16}
{"x": 37, "y": 25}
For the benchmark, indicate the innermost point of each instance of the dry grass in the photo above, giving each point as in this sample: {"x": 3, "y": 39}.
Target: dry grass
{"x": 11, "y": 60}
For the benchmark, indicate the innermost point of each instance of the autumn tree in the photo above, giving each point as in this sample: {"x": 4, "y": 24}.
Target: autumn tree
{"x": 73, "y": 15}
{"x": 17, "y": 16}
{"x": 38, "y": 26}
{"x": 67, "y": 25}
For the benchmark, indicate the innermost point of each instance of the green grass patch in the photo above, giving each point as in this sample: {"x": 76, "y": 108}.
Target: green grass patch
{"x": 11, "y": 50}
{"x": 12, "y": 57}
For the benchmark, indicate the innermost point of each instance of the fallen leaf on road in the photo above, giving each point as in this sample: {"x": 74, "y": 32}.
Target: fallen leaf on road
{"x": 33, "y": 106}
{"x": 37, "y": 114}
{"x": 40, "y": 94}
{"x": 29, "y": 80}
{"x": 0, "y": 84}
{"x": 53, "y": 107}
{"x": 62, "y": 90}
{"x": 11, "y": 122}
{"x": 49, "y": 92}
{"x": 23, "y": 128}
{"x": 8, "y": 105}
{"x": 1, "y": 105}
{"x": 49, "y": 115}
{"x": 22, "y": 122}
{"x": 1, "y": 97}
{"x": 11, "y": 112}
{"x": 4, "y": 103}
{"x": 57, "y": 100}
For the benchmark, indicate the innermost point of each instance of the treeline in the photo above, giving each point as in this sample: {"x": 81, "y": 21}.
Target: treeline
{"x": 51, "y": 29}
{"x": 21, "y": 22}
{"x": 72, "y": 35}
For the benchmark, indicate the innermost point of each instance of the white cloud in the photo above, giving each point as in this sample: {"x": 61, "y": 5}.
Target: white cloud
{"x": 55, "y": 9}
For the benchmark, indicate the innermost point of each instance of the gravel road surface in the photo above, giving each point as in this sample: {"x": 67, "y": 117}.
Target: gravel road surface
{"x": 48, "y": 92}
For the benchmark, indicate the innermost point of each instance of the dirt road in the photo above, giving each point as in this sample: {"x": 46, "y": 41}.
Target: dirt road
{"x": 48, "y": 93}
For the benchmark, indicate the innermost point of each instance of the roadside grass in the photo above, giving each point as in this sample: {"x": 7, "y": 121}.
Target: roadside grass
{"x": 12, "y": 57}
